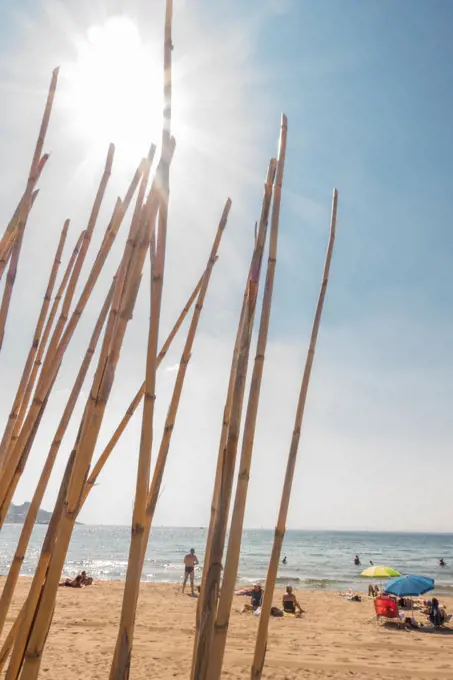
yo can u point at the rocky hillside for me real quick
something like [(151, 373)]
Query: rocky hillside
[(17, 513)]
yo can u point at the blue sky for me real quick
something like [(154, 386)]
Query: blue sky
[(366, 86)]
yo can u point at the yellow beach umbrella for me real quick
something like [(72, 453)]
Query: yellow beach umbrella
[(380, 572)]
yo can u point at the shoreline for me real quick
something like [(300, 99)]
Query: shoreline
[(334, 639), (445, 592)]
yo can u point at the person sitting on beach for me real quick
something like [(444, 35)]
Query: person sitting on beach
[(86, 580), (190, 562), (435, 615), (255, 600), (290, 603)]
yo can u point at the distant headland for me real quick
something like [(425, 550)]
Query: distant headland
[(17, 514)]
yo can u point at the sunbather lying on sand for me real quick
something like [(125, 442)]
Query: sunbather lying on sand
[(80, 581), (351, 596), (73, 583)]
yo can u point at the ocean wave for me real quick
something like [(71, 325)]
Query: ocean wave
[(320, 582)]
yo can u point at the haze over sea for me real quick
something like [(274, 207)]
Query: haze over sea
[(316, 559)]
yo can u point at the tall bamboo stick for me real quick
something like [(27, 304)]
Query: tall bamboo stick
[(97, 469), (34, 346), (10, 638), (237, 520), (48, 376), (261, 638), (222, 447), (213, 566), (28, 611), (74, 273), (39, 627), (16, 564), (121, 661), (182, 369), (25, 206), (154, 491), (11, 228), (43, 343), (84, 449), (227, 416), (11, 232)]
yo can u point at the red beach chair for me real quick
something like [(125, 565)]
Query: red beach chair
[(387, 608)]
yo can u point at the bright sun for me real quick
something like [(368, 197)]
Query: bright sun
[(116, 89)]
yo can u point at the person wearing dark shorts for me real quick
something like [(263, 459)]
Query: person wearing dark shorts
[(190, 562)]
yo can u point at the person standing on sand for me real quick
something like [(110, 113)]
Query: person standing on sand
[(190, 562)]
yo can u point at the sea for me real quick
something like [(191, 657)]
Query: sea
[(315, 559)]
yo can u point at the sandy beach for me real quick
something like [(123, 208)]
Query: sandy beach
[(334, 639)]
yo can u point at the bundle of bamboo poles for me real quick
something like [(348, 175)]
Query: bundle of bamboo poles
[(57, 321)]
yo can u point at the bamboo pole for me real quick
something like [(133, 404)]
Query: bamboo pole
[(121, 661), (84, 449), (34, 346), (16, 564), (43, 343), (155, 488), (226, 421), (75, 274), (28, 612), (47, 376), (154, 491), (91, 481), (223, 440), (26, 206), (118, 214), (38, 629), (10, 638), (13, 223), (10, 233), (12, 469), (237, 520), (261, 638), (223, 486)]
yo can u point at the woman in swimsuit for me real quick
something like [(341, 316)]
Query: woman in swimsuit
[(290, 603)]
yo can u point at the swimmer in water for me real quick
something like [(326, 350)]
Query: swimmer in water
[(442, 562), (357, 561), (284, 561)]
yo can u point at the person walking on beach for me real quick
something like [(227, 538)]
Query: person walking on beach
[(190, 562)]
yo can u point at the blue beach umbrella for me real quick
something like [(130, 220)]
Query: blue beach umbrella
[(406, 586)]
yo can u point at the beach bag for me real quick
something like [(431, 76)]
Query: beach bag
[(275, 611)]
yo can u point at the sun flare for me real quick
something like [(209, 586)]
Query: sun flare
[(116, 89)]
